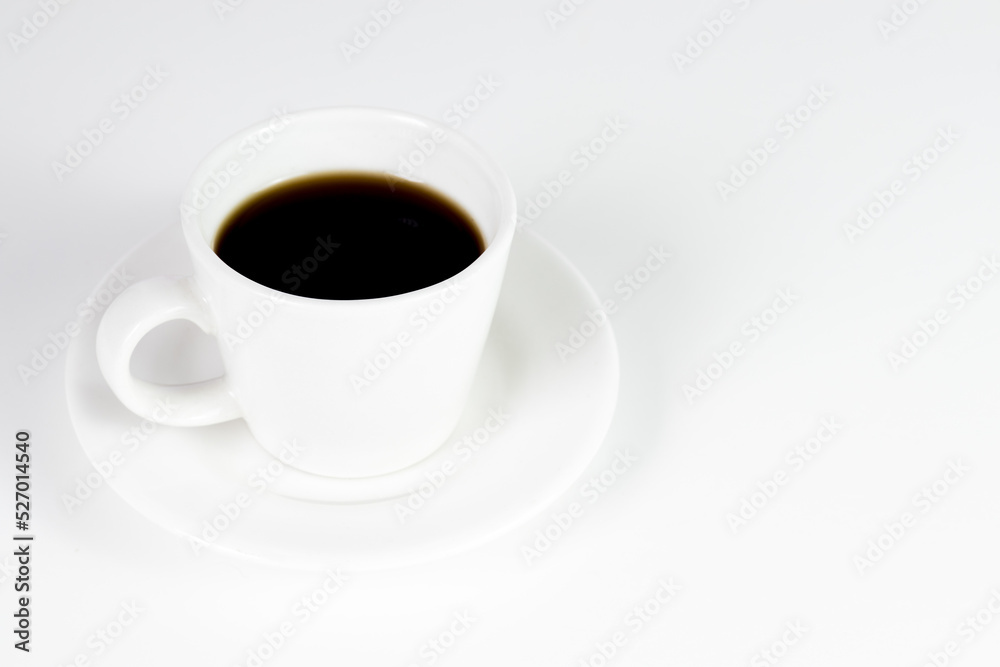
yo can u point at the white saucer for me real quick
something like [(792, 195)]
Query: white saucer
[(182, 477)]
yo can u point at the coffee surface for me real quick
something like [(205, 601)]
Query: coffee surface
[(348, 235)]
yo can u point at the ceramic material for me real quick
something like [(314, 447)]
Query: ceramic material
[(532, 425), (362, 387)]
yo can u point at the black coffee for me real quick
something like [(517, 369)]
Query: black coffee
[(348, 235)]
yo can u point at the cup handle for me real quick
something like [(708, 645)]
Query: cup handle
[(135, 312)]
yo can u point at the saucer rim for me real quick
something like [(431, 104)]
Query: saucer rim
[(415, 551)]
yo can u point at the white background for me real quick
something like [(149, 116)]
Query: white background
[(795, 560)]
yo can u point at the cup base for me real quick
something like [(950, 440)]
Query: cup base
[(533, 424)]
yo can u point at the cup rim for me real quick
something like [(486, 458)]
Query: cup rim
[(199, 246)]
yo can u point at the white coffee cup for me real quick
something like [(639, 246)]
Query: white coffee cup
[(363, 387)]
